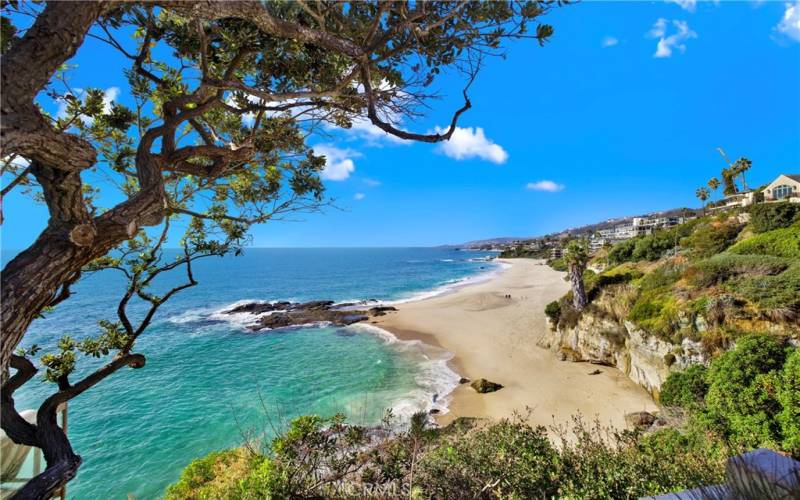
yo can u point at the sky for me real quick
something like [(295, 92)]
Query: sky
[(620, 113)]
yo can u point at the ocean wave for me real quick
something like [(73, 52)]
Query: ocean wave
[(435, 379), (217, 315), (451, 286)]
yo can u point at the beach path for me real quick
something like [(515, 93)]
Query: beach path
[(494, 337)]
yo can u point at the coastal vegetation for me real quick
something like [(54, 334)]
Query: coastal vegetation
[(720, 297), (713, 278), (226, 95), (748, 396), (319, 457)]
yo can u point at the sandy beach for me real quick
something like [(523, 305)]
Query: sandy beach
[(495, 337)]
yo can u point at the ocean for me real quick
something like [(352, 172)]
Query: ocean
[(209, 383)]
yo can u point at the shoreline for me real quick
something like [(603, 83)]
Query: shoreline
[(494, 337)]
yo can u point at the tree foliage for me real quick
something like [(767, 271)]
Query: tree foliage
[(223, 99)]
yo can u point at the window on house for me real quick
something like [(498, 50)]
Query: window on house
[(782, 191)]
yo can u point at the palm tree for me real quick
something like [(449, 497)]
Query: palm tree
[(713, 183), (741, 166), (576, 256), (729, 180), (703, 194)]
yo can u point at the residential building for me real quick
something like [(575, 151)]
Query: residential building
[(785, 188), (737, 200)]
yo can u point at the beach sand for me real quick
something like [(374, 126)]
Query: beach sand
[(494, 337)]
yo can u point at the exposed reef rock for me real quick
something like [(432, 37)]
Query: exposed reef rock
[(285, 314)]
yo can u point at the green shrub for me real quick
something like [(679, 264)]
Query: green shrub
[(504, 460), (213, 476), (621, 252), (656, 309), (789, 398), (741, 403), (686, 388), (710, 238), (661, 277), (769, 216), (723, 267), (553, 311), (557, 264), (778, 295), (654, 246), (629, 465), (657, 313), (778, 243)]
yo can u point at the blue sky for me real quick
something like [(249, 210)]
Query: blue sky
[(620, 113)]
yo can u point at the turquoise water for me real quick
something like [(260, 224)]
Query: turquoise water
[(210, 384)]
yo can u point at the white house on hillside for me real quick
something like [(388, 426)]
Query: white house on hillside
[(785, 188)]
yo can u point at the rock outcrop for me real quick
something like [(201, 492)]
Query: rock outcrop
[(273, 315), (640, 419), (644, 358), (483, 386)]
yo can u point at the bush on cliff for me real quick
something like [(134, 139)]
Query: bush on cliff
[(749, 396), (711, 238), (685, 389), (783, 242), (553, 311), (723, 267), (621, 252), (769, 216), (506, 459), (741, 402), (558, 264), (789, 398)]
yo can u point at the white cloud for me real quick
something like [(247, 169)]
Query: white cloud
[(472, 143), (790, 24), (687, 5), (338, 162), (109, 96), (544, 185), (371, 182), (658, 29), (359, 196), (609, 41), (668, 43)]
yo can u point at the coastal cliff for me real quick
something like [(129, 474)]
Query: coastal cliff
[(643, 357), (656, 308)]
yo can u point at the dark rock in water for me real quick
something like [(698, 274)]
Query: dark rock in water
[(434, 411), (259, 308), (595, 372), (640, 419), (286, 314), (483, 386), (463, 380), (316, 305)]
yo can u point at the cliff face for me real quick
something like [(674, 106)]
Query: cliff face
[(646, 359)]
